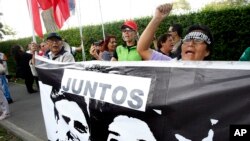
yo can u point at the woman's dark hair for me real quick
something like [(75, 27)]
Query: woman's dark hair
[(16, 51), (162, 39), (177, 28), (106, 42), (79, 100)]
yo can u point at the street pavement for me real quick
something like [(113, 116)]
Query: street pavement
[(26, 119)]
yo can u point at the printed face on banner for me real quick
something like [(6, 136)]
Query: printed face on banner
[(72, 124), (125, 128), (186, 104)]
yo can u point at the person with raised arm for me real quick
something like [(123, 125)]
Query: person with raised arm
[(197, 43)]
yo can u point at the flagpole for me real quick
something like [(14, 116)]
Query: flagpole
[(31, 19), (130, 9), (80, 28), (103, 31)]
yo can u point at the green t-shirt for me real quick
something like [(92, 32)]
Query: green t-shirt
[(127, 53)]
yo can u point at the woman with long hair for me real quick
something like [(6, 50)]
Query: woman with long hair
[(109, 48), (22, 66)]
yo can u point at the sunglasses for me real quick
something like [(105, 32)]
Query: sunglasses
[(127, 30), (196, 40)]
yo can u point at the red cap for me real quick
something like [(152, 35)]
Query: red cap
[(131, 24)]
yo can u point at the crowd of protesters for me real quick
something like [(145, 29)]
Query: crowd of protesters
[(196, 46)]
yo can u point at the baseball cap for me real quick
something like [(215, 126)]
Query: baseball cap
[(130, 24), (54, 35)]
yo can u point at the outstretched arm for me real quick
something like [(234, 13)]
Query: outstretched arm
[(143, 45)]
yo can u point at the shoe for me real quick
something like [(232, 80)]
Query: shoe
[(10, 101), (31, 92), (4, 116)]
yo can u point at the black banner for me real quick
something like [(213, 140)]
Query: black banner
[(184, 101)]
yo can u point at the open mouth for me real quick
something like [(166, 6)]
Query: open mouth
[(189, 52)]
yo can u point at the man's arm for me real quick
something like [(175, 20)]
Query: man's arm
[(33, 49), (143, 45)]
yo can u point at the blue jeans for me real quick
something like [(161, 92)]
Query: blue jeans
[(5, 87)]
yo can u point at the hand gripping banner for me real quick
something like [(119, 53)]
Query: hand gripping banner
[(149, 101)]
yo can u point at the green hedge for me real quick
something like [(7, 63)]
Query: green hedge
[(230, 27)]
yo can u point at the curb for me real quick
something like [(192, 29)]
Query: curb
[(19, 132)]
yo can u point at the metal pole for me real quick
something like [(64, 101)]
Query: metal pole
[(31, 19), (103, 31), (80, 28)]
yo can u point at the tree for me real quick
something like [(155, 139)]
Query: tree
[(222, 4), (237, 2), (5, 30), (2, 32), (181, 6)]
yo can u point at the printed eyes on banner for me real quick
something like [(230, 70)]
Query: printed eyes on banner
[(80, 127), (66, 119), (77, 125)]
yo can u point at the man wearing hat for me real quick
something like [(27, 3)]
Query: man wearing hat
[(56, 49), (127, 51)]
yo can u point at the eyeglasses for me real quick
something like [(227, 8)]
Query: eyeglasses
[(196, 41), (127, 30), (198, 38)]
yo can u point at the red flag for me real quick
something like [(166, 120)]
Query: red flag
[(45, 4), (36, 18), (61, 11)]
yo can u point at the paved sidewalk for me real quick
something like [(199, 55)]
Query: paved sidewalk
[(26, 120)]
